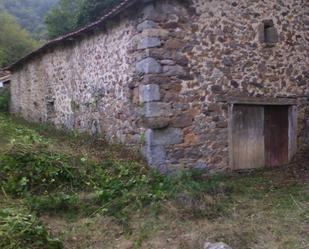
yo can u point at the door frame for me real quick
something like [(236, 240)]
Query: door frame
[(292, 119)]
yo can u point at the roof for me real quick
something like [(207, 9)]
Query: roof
[(5, 76), (123, 5)]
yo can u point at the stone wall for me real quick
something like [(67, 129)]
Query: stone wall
[(203, 51), (85, 85), (159, 76)]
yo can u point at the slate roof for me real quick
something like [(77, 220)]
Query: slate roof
[(123, 5)]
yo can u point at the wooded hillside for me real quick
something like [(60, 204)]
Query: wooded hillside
[(15, 42), (29, 14), (25, 22)]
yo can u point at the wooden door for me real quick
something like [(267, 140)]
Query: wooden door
[(247, 137), (276, 135)]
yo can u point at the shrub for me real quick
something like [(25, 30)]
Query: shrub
[(4, 100), (54, 202), (36, 169), (21, 230), (50, 180)]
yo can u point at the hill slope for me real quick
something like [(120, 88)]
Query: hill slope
[(95, 195)]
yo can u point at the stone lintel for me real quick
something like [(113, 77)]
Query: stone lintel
[(257, 100), (148, 93)]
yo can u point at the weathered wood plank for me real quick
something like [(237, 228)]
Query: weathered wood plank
[(247, 137), (276, 135), (292, 131)]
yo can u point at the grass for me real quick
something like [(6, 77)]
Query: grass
[(20, 229), (86, 193)]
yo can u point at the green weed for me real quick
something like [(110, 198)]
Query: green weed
[(21, 230)]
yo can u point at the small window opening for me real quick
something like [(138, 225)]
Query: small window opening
[(50, 109), (268, 33), (36, 104)]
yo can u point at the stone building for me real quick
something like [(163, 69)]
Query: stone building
[(215, 85)]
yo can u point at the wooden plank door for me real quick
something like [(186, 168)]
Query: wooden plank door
[(247, 137), (276, 135)]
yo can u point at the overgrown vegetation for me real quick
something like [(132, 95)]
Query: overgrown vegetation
[(4, 100), (89, 192), (31, 167), (19, 229)]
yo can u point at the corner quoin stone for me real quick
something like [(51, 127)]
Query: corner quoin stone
[(149, 42), (148, 93), (148, 24), (148, 66), (156, 155), (168, 136), (157, 109)]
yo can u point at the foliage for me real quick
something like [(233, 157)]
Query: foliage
[(55, 175), (30, 166), (34, 169), (4, 100), (94, 9), (50, 179), (21, 230), (29, 14), (63, 17), (69, 15), (14, 41)]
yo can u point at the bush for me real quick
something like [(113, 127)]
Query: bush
[(36, 169), (4, 100), (21, 230), (50, 180)]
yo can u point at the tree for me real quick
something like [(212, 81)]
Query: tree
[(93, 9), (29, 14), (70, 15), (15, 42), (63, 18)]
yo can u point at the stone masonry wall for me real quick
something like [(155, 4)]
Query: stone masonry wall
[(84, 86), (158, 75), (200, 51)]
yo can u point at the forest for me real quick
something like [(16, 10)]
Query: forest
[(30, 14), (27, 24)]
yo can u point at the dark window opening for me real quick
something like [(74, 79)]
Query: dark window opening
[(50, 109), (36, 104), (268, 33)]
